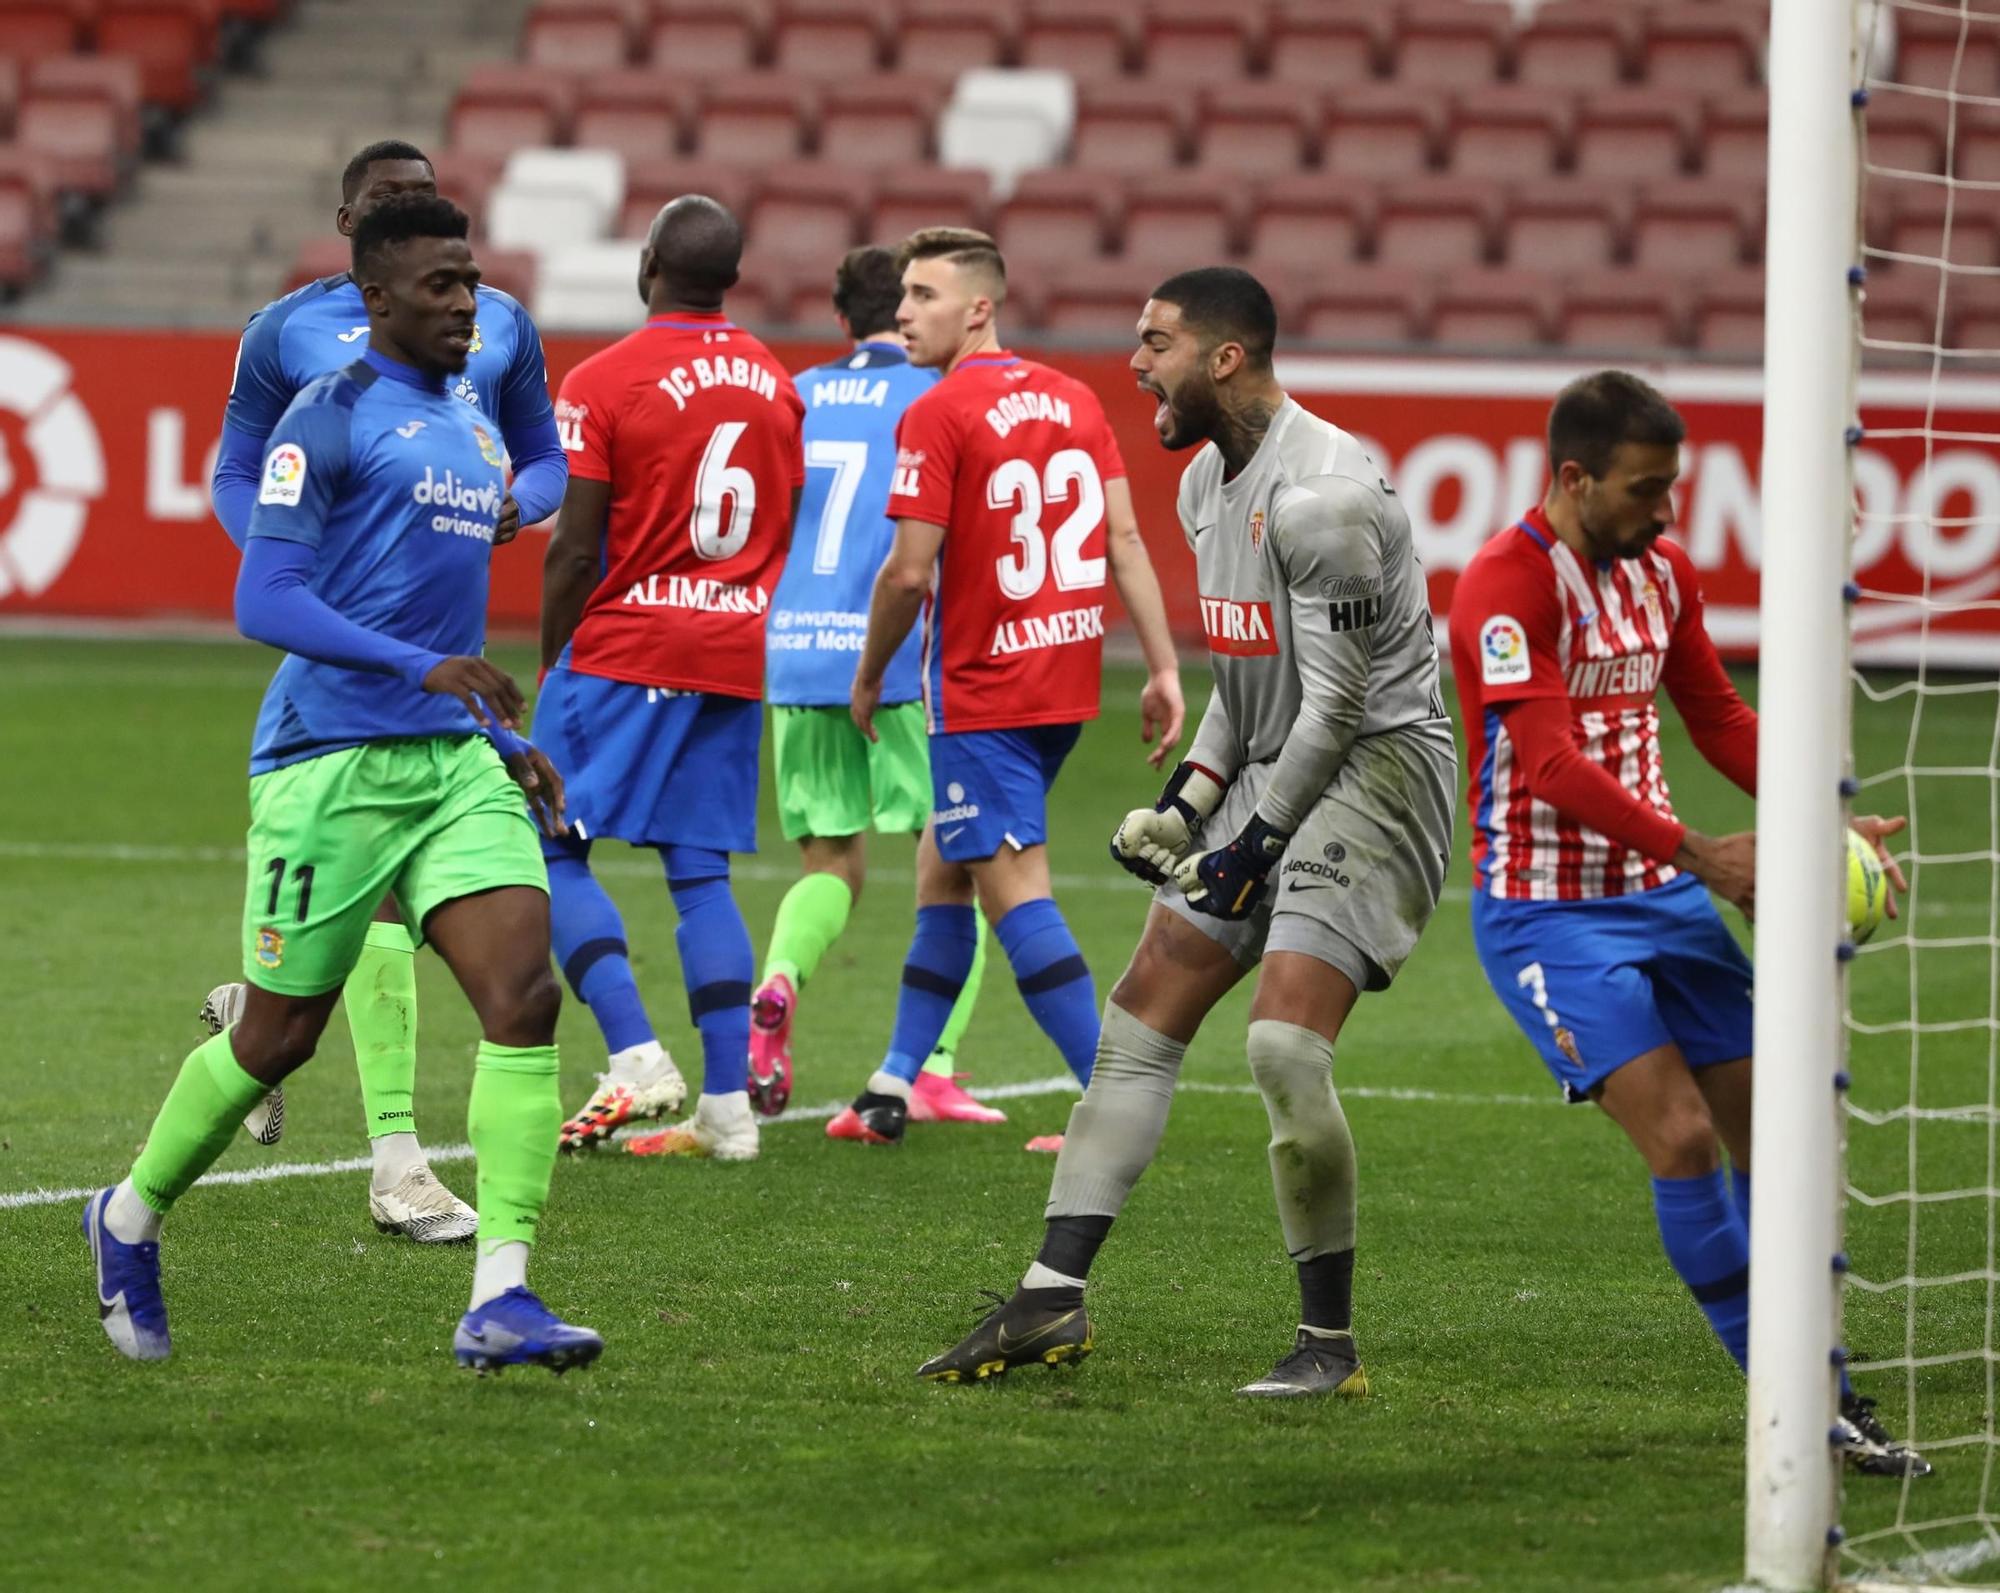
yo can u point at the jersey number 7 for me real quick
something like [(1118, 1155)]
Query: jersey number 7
[(1015, 485)]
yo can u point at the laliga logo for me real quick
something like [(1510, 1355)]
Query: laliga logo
[(67, 467)]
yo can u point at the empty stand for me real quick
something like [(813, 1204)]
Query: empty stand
[(1933, 222), (1129, 127), (1616, 311), (756, 116), (1692, 225), (32, 29), (1567, 44), (1640, 134), (1182, 219), (1701, 47), (581, 35), (1436, 225), (1098, 298), (1085, 38), (1058, 217), (879, 119), (1376, 131), (1264, 134), (1733, 145), (1931, 54), (1007, 122), (701, 37), (1364, 306), (500, 109), (641, 114), (654, 183), (1200, 42), (588, 287), (1493, 309), (1447, 43), (907, 198), (832, 38), (1517, 134), (1559, 228), (1308, 223), (550, 198), (816, 208), (1325, 46), (1728, 313), (947, 37), (172, 40)]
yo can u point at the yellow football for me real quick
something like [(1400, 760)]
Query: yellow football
[(1867, 888)]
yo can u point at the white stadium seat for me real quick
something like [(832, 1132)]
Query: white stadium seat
[(589, 287), (1006, 122), (549, 198)]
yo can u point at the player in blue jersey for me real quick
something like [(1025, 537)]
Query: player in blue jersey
[(366, 562), (833, 783), (320, 328)]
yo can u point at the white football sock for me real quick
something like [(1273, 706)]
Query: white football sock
[(636, 1064), (883, 1082), (502, 1265), (396, 1155), (1041, 1277), (1325, 1333), (129, 1219)]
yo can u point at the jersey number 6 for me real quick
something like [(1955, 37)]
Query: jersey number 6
[(725, 496), (1015, 485)]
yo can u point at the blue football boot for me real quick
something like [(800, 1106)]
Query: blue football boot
[(516, 1329), (128, 1287)]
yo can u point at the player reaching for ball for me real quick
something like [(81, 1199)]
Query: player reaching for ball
[(1588, 910)]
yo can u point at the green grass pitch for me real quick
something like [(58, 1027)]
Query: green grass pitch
[(1550, 1409)]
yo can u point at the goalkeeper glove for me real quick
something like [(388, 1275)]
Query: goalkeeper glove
[(1230, 881), (1149, 841)]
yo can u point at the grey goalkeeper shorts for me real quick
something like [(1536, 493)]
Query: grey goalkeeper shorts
[(1364, 872)]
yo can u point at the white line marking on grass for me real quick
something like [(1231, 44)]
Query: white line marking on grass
[(1059, 1084), (1916, 1571)]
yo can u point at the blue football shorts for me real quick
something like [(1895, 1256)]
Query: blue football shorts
[(650, 766), (990, 788), (1594, 984)]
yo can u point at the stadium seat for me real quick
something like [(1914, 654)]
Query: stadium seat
[(947, 37), (79, 132), (550, 198), (1905, 133), (580, 35), (881, 119), (172, 40), (1976, 146), (1324, 46), (1267, 133), (1198, 41), (1508, 133), (649, 184), (500, 109), (763, 293), (1728, 313), (640, 113), (1101, 298), (1930, 54), (1449, 44), (1576, 44), (1436, 224), (753, 117), (27, 216), (1089, 39), (910, 197), (588, 287), (805, 299), (1128, 127), (1688, 226), (1482, 309), (1617, 313), (699, 38), (1917, 225), (1178, 220), (1905, 308), (1055, 217), (1377, 131), (1636, 134), (113, 78), (1566, 226), (815, 208), (1306, 223), (1370, 308), (11, 73), (1974, 328), (1735, 145), (31, 29), (467, 181), (1701, 47), (1007, 122), (831, 38)]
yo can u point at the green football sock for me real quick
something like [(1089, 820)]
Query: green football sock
[(810, 920), (515, 1116), (945, 1056), (195, 1124), (381, 1000)]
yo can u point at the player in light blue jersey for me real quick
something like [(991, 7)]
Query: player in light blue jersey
[(366, 562), (833, 783), (319, 328)]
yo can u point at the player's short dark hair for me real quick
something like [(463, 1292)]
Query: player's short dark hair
[(698, 243), (355, 173), (1596, 413), (963, 247), (1225, 305), (867, 287), (397, 221)]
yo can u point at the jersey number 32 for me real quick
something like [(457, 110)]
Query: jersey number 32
[(1017, 486)]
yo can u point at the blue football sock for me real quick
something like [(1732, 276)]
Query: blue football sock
[(1739, 1187), (716, 963), (1054, 980), (589, 940), (936, 969), (1706, 1242)]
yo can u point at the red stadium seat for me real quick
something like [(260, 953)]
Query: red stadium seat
[(1735, 144), (1449, 43), (1267, 133), (79, 133), (910, 197), (1960, 226), (113, 78), (511, 271), (1198, 41), (1128, 127), (763, 292), (1728, 314), (10, 90), (466, 180), (31, 29), (1089, 39), (500, 109), (1101, 298), (1637, 134), (1621, 312), (946, 37), (1976, 146), (171, 40), (755, 117), (1366, 307), (317, 258), (1493, 310), (1975, 320), (650, 184), (1056, 216), (1576, 44), (814, 209), (831, 38), (1307, 223), (1930, 53), (701, 37), (1905, 133), (1509, 133), (27, 216), (1380, 130), (1179, 220), (1690, 226), (1325, 46), (879, 119), (1566, 226), (1905, 308), (1435, 225), (580, 35), (1700, 46), (642, 114)]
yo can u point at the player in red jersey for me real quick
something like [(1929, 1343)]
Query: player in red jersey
[(1009, 485), (685, 468), (1588, 909)]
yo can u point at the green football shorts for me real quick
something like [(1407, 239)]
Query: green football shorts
[(832, 780), (431, 818)]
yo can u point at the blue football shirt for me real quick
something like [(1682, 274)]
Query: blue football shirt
[(819, 613), (396, 483)]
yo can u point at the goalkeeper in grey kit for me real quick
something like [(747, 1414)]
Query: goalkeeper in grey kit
[(1308, 831)]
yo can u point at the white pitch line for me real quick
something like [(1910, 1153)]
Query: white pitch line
[(1060, 1084)]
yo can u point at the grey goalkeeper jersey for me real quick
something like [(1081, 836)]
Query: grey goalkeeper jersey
[(1318, 622)]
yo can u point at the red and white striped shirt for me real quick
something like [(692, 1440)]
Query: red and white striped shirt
[(1533, 624)]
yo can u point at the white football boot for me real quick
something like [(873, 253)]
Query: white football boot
[(640, 1083), (265, 1122), (720, 1128), (419, 1207)]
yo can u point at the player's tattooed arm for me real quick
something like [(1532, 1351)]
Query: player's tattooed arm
[(570, 571), (1161, 706), (900, 586)]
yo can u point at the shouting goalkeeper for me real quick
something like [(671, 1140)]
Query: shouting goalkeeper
[(1309, 830)]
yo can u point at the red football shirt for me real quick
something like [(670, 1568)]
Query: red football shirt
[(696, 428), (1010, 457)]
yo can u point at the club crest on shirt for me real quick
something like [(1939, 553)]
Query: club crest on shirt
[(1256, 529), (270, 948), (1503, 651), (489, 450), (478, 342), (284, 476)]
